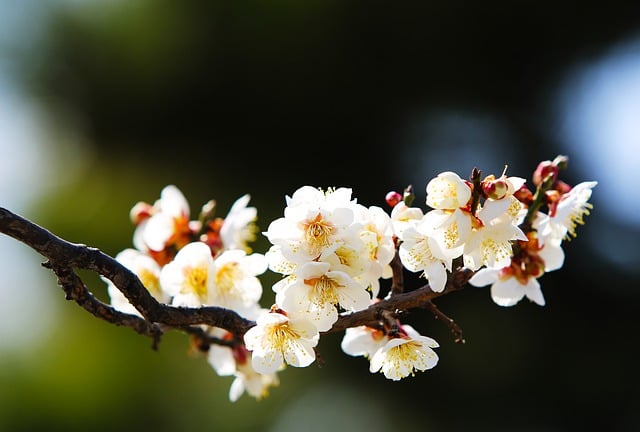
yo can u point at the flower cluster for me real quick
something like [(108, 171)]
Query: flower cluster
[(203, 262), (333, 254)]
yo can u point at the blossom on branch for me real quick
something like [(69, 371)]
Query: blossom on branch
[(331, 254), (401, 356), (277, 340)]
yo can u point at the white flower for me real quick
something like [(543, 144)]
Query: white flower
[(507, 290), (569, 213), (403, 216), (379, 244), (449, 229), (314, 223), (402, 356), (278, 263), (254, 383), (238, 228), (169, 218), (235, 285), (419, 252), (362, 341), (146, 269), (189, 277), (236, 360), (447, 191), (317, 291), (490, 245), (276, 340)]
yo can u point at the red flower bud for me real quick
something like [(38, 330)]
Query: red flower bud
[(392, 198), (543, 171)]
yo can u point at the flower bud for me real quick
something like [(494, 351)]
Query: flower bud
[(524, 195), (494, 188), (140, 211), (543, 171), (392, 198)]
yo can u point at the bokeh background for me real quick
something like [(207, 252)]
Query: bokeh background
[(102, 103)]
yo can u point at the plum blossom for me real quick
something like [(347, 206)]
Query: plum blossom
[(402, 356), (276, 340), (506, 289), (235, 284), (189, 278), (238, 228), (167, 222), (146, 269), (316, 292)]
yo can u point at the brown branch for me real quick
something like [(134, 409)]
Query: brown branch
[(397, 279), (76, 290), (455, 328), (373, 315), (63, 257)]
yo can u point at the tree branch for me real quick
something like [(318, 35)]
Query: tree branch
[(418, 298), (63, 257)]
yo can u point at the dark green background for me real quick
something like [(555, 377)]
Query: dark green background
[(224, 98)]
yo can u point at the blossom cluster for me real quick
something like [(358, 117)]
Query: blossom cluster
[(333, 254)]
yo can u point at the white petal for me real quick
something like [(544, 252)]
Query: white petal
[(437, 276), (237, 389), (299, 354), (507, 292), (552, 255), (221, 360), (266, 362), (533, 292), (484, 277)]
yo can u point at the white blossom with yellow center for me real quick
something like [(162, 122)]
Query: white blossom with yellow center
[(570, 213), (189, 278), (508, 290), (490, 244), (362, 341), (239, 228), (146, 269), (450, 229), (235, 283), (169, 212), (276, 340), (254, 383), (402, 356), (223, 360), (315, 223), (379, 246), (420, 252), (403, 216), (316, 293), (447, 191)]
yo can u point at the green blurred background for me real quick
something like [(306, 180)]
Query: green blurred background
[(102, 103)]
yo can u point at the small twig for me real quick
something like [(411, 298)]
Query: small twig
[(455, 328), (400, 302), (397, 280)]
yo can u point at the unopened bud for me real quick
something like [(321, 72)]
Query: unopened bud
[(543, 171), (392, 198), (494, 188), (524, 195), (140, 211)]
